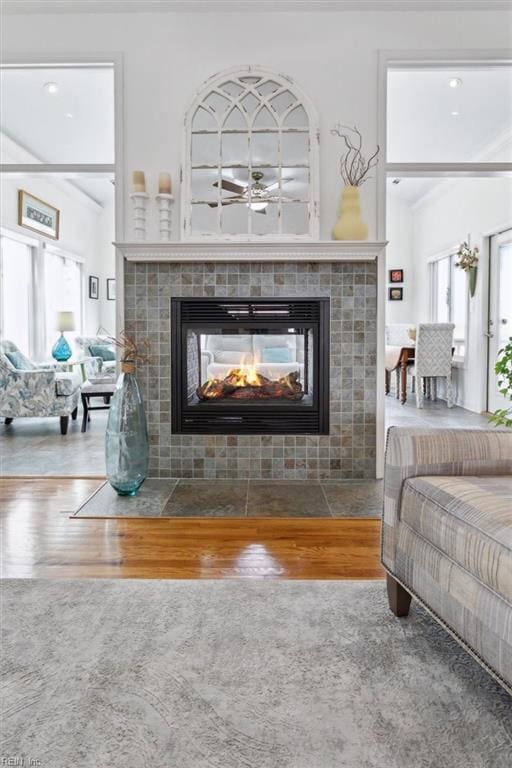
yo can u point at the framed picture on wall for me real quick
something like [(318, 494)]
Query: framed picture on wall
[(37, 215), (94, 287), (111, 289), (396, 275), (396, 294)]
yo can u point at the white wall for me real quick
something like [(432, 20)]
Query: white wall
[(399, 255), (106, 268), (333, 56)]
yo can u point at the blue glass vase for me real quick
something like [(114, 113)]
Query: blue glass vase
[(127, 445), (61, 350)]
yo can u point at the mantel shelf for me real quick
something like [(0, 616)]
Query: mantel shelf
[(230, 251)]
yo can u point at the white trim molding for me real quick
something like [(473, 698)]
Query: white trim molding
[(329, 250)]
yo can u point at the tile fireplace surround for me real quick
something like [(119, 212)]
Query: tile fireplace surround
[(348, 276)]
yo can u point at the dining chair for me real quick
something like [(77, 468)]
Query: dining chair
[(433, 360)]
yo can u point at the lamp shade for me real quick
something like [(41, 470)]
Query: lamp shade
[(65, 321)]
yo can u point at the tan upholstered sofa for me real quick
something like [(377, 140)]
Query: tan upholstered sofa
[(447, 535)]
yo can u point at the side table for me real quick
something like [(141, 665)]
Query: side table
[(88, 391)]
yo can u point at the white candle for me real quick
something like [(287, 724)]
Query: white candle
[(164, 183), (139, 181)]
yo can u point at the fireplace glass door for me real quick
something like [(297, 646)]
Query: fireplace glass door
[(242, 366)]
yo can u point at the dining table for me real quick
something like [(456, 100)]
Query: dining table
[(398, 359)]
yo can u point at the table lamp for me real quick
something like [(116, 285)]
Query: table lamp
[(65, 322)]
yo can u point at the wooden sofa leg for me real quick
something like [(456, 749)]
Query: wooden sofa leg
[(9, 420), (64, 421), (74, 413), (399, 598)]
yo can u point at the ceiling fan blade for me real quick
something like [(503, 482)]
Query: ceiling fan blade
[(230, 186), (276, 184), (227, 201)]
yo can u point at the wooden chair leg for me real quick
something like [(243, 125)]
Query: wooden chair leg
[(399, 598), (74, 413), (8, 420), (64, 421)]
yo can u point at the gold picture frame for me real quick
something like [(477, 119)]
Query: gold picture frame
[(38, 215)]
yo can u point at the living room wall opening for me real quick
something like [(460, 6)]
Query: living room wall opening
[(447, 181), (58, 190)]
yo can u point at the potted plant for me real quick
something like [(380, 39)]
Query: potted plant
[(503, 368), (468, 260), (354, 169)]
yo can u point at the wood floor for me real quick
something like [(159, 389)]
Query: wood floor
[(40, 540)]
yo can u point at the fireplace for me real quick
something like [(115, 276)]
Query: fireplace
[(250, 366)]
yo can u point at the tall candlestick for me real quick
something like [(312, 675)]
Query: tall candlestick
[(165, 201), (164, 183), (140, 202), (138, 181)]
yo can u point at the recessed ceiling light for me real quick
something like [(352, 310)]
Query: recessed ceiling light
[(455, 113), (455, 82), (69, 115), (51, 87)]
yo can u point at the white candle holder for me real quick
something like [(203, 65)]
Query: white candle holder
[(165, 201), (140, 204)]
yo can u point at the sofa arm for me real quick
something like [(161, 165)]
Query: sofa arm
[(415, 452)]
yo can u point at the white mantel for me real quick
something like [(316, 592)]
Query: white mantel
[(309, 251)]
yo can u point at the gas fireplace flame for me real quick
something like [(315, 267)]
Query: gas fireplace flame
[(246, 383), (245, 376)]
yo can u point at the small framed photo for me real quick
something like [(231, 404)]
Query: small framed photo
[(94, 287), (111, 289), (37, 215), (396, 275), (396, 294)]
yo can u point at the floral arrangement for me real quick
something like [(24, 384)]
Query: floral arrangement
[(468, 257), (354, 167), (131, 349)]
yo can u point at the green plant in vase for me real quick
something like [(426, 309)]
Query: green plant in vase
[(468, 260), (127, 444), (503, 368)]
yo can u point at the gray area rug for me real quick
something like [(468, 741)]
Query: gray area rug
[(217, 674)]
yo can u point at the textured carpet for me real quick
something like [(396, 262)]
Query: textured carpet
[(205, 674)]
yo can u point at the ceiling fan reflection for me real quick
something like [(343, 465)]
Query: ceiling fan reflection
[(255, 195)]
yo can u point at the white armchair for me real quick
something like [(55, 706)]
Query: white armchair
[(31, 390), (94, 363)]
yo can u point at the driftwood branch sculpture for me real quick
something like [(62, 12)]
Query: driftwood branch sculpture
[(354, 167)]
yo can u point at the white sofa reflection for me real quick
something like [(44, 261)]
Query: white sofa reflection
[(272, 356)]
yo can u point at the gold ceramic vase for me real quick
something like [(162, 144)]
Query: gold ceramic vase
[(350, 226)]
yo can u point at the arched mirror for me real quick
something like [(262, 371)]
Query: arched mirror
[(251, 164)]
